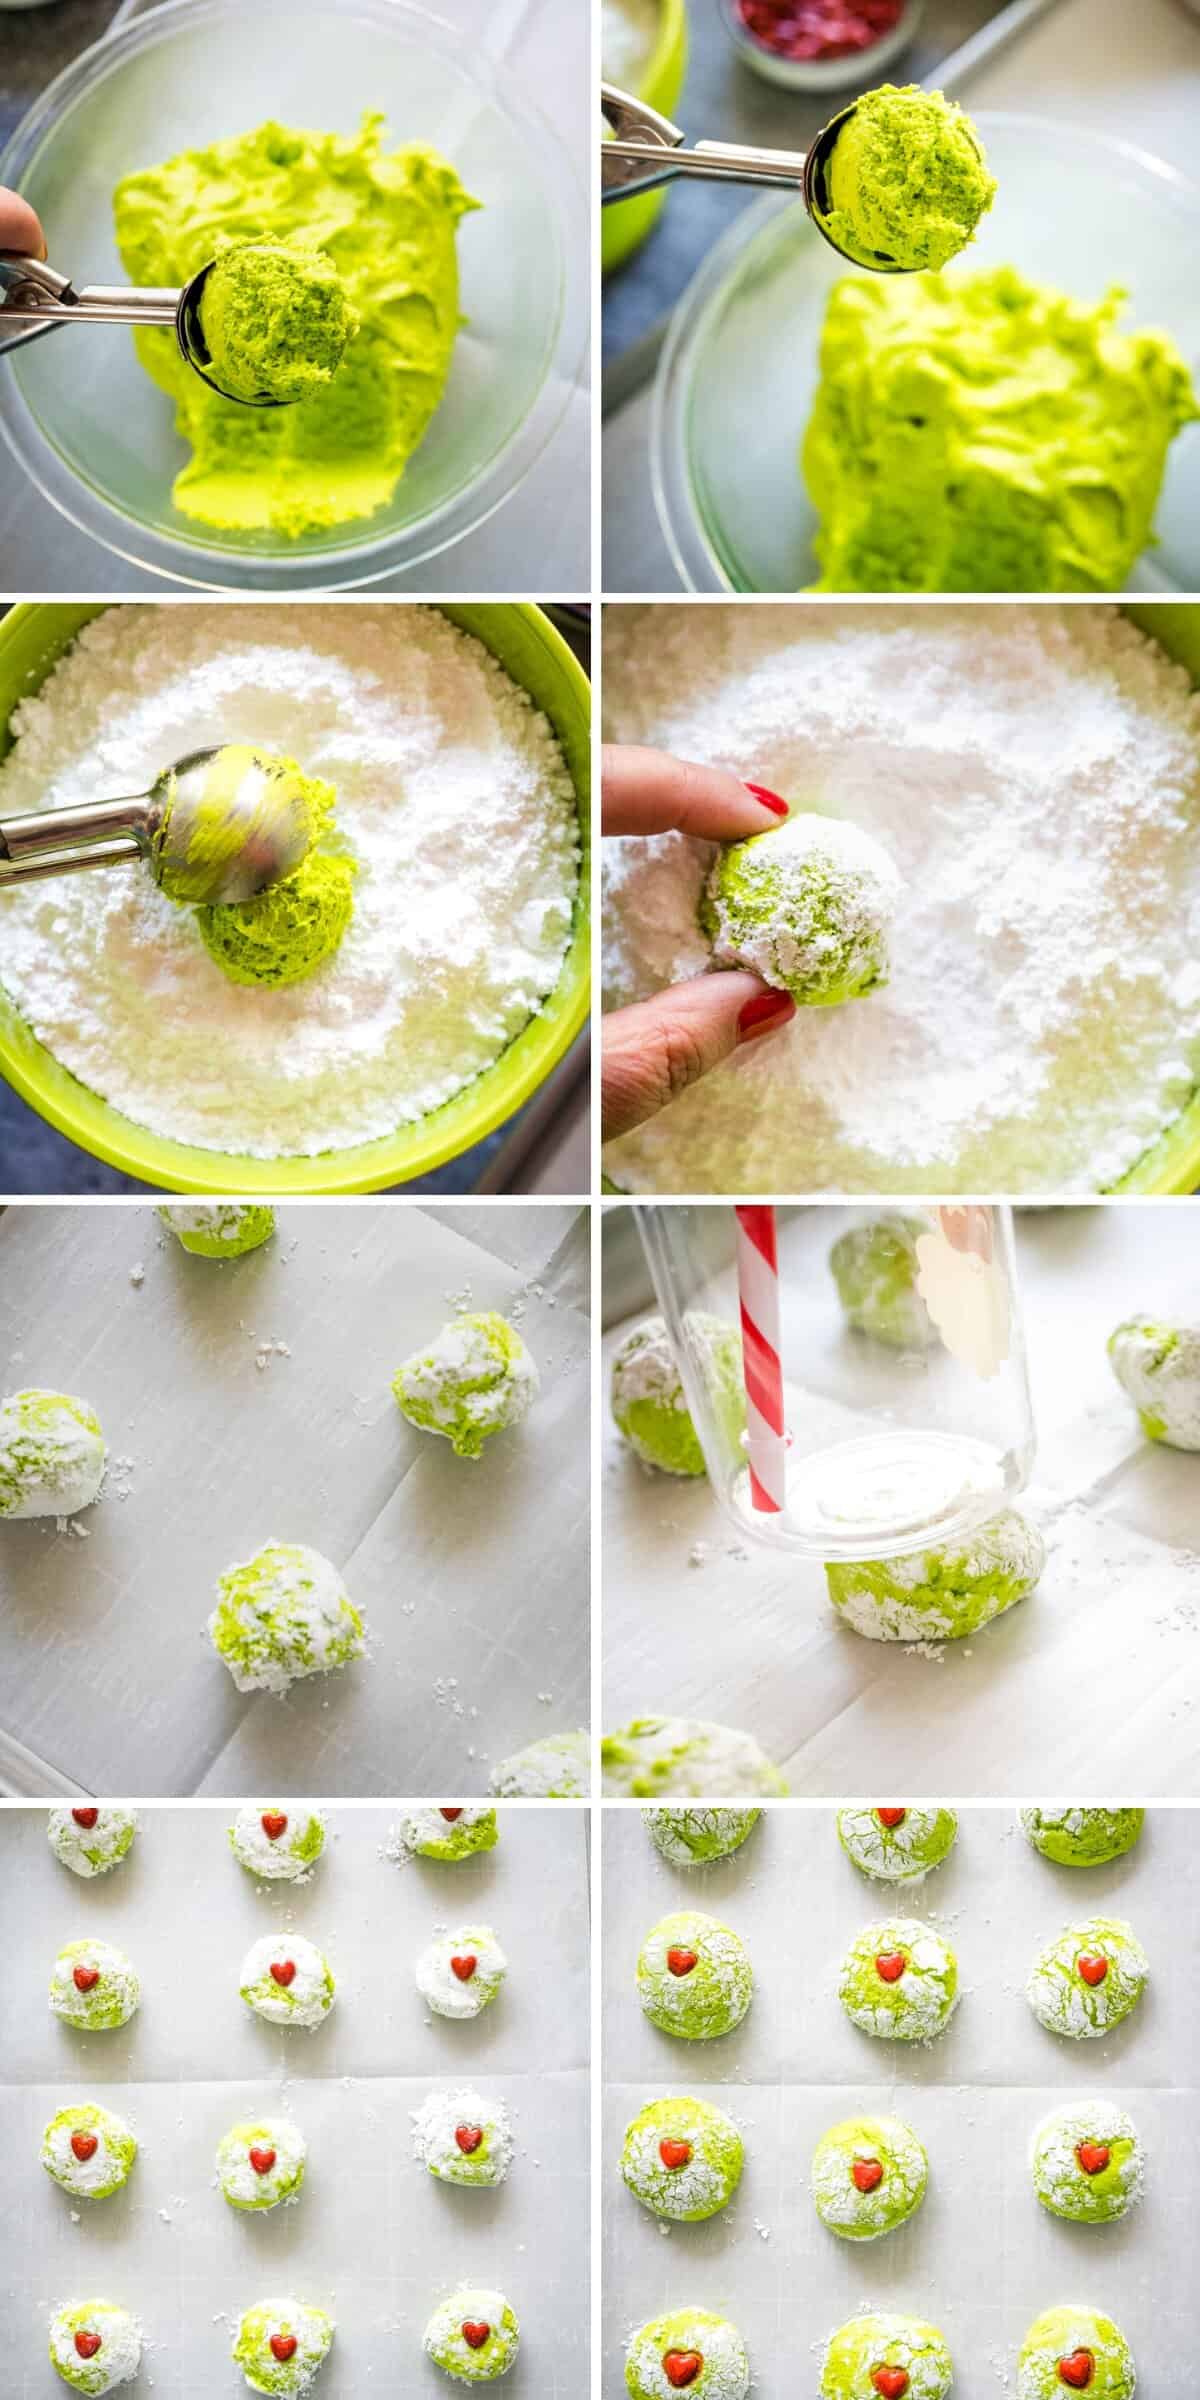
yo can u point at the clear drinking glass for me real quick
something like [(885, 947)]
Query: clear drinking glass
[(904, 1393)]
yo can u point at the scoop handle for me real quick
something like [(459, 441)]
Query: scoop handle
[(45, 832), (37, 870)]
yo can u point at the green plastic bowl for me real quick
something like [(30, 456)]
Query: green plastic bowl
[(524, 641), (627, 222)]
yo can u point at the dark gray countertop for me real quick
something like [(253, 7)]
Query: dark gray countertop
[(38, 43)]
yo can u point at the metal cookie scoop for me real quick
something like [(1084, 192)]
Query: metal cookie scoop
[(255, 804), (34, 299)]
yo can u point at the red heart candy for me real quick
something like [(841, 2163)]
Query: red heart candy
[(284, 1972), (890, 1966), (1077, 2370), (85, 2146), (261, 2160), (274, 1823), (891, 1817), (451, 1815), (867, 2172), (475, 2332), (674, 2154), (1092, 1967), (468, 2138), (84, 1977), (283, 2347), (681, 2367), (892, 2382), (465, 1966), (87, 2343), (1093, 2157), (681, 1962), (85, 1817)]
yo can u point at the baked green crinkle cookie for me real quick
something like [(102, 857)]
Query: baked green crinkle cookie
[(449, 1833), (1158, 1366), (475, 1380), (88, 2150), (285, 1979), (280, 2345), (95, 2345), (1072, 2349), (647, 1396), (473, 2335), (868, 2176), (459, 1974), (281, 1615), (281, 1845), (93, 1986), (1082, 1837), (52, 1454), (91, 1841), (874, 1267), (691, 1837), (689, 2350), (558, 1767), (218, 1228), (899, 1981), (687, 1757), (1089, 1979), (940, 1595), (463, 2138), (682, 2158), (694, 1976), (886, 2358), (260, 2164), (897, 1845), (1088, 2163)]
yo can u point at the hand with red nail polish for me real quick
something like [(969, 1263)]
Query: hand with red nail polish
[(19, 227), (654, 1050)]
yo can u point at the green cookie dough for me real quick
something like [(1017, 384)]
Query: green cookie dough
[(690, 1837), (448, 1833), (463, 2138), (940, 1595), (219, 1228), (93, 1986), (88, 2150), (1089, 1979), (284, 935), (683, 2336), (899, 1981), (807, 907), (976, 433), (387, 222), (558, 1767), (1094, 2350), (52, 1454), (259, 2165), (897, 1845), (647, 1395), (1159, 1367), (694, 1976), (276, 319), (281, 2323), (1082, 1837), (682, 2159), (476, 1379), (875, 1269), (278, 1845), (462, 1972), (907, 182), (868, 2175), (1087, 2163), (687, 1757), (281, 1615), (285, 1979), (95, 2345), (473, 2335), (91, 1841), (860, 2349)]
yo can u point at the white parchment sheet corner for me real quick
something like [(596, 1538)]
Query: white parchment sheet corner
[(472, 1574), (981, 2258), (373, 2238)]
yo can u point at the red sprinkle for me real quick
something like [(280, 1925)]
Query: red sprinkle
[(806, 30), (87, 2343), (283, 2347), (451, 1815), (85, 1817)]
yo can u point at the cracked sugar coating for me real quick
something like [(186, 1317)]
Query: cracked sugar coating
[(558, 1767), (897, 1845), (465, 1989), (52, 1454), (868, 2175), (907, 180), (1159, 1367), (463, 2138), (1082, 1837), (93, 1986), (495, 2335), (285, 2322), (647, 1396), (682, 2158), (281, 1615), (301, 1992), (690, 1837), (91, 1841), (940, 1595), (88, 2150), (1087, 2163), (219, 1228), (694, 1976), (807, 907), (724, 2369), (261, 2163), (1089, 1979), (858, 2350), (279, 1844), (449, 1834), (899, 1981), (1105, 2370), (474, 1380), (688, 1757), (875, 1269), (95, 2345)]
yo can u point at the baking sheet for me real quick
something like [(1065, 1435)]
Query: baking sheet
[(472, 1575), (699, 1618), (981, 2258), (373, 2237)]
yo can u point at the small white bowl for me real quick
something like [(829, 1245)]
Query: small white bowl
[(862, 68)]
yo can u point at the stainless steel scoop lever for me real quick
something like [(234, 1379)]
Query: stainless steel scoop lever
[(35, 298)]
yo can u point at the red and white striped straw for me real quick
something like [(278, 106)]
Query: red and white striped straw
[(762, 1364)]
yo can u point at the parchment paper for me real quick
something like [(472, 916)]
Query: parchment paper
[(981, 2258), (472, 1574), (373, 2237), (703, 1620)]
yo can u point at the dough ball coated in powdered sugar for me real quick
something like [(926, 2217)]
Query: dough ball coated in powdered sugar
[(88, 2150), (218, 1228), (281, 2344), (94, 1986), (476, 1379), (281, 1845), (875, 1268), (260, 2163), (940, 1595), (95, 2345), (1158, 1365), (281, 1615), (647, 1396), (52, 1454), (449, 1834), (461, 1973), (808, 908), (473, 2335), (285, 1979), (463, 2138), (558, 1767), (91, 1840), (688, 1758)]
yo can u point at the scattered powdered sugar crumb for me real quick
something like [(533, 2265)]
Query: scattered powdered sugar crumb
[(137, 1276)]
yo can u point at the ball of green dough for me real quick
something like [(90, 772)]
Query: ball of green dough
[(694, 1976), (558, 1767), (899, 1981), (91, 1841), (901, 2358), (448, 1833), (868, 2175), (218, 1228), (807, 907), (897, 1845), (261, 2164), (1093, 2351), (287, 1980), (690, 2350), (1159, 1367), (463, 2138), (88, 2150), (875, 1269), (940, 1595), (1089, 1979), (286, 933), (93, 1986), (687, 1757), (462, 1972), (277, 1844), (476, 1379), (473, 2335), (682, 2159), (276, 318), (1087, 2163), (647, 1396), (52, 1454), (1082, 1837), (906, 180), (280, 2345), (95, 2345), (691, 1837), (281, 1615)]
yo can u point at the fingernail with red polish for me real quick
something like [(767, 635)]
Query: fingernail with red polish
[(769, 800), (767, 1009)]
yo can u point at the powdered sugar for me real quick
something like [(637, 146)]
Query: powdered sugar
[(628, 33)]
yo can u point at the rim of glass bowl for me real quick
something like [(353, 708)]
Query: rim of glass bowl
[(340, 566)]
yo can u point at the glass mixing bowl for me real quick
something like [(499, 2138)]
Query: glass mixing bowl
[(739, 370), (97, 437)]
